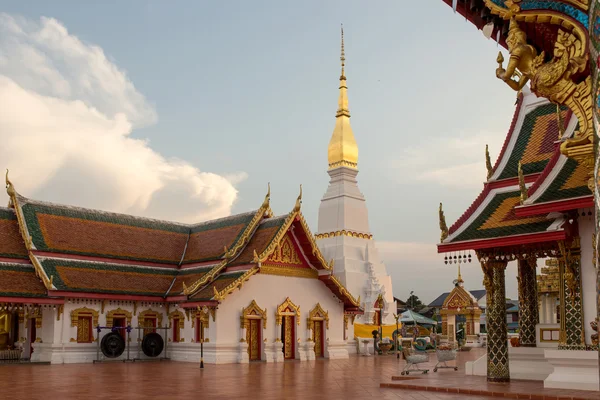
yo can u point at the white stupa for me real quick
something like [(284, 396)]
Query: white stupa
[(343, 229)]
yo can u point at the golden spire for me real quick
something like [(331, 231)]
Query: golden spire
[(488, 162), (522, 186), (460, 279), (267, 196), (343, 150)]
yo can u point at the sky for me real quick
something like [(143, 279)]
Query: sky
[(186, 110)]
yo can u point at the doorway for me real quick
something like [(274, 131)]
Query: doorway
[(253, 337), (318, 339), (288, 333)]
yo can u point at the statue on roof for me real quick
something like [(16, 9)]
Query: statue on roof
[(553, 79), (443, 226)]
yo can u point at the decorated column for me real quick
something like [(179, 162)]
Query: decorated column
[(572, 334), (497, 343), (528, 302)]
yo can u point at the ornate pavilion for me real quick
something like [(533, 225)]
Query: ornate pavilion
[(65, 270), (538, 199)]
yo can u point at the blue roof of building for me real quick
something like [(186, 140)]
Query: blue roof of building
[(478, 294)]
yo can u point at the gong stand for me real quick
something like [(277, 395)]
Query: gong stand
[(140, 336), (112, 329)]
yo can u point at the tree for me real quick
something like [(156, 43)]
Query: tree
[(413, 302)]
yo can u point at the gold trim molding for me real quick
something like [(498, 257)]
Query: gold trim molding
[(253, 311), (84, 312), (118, 312), (296, 272), (344, 233), (177, 314), (280, 312), (318, 314)]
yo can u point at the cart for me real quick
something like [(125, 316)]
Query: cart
[(443, 356), (413, 359)]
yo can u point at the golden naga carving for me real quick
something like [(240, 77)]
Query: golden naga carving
[(488, 162), (554, 81), (443, 226), (522, 187)]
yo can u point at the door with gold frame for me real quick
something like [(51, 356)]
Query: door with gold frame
[(288, 333), (317, 332), (253, 338)]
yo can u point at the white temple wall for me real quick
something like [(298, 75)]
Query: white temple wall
[(588, 274), (351, 267), (303, 292)]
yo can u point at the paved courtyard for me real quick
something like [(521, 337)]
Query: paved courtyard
[(356, 378)]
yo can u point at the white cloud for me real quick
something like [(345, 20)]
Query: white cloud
[(66, 115), (450, 161)]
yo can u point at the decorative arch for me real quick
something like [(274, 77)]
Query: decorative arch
[(287, 308), (150, 314), (318, 314), (253, 311), (177, 314), (83, 312), (118, 312)]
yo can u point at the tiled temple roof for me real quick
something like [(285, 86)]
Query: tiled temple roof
[(103, 277), (11, 241), (207, 240), (566, 180), (534, 145), (81, 250), (533, 140), (72, 230), (20, 280), (222, 281), (262, 238)]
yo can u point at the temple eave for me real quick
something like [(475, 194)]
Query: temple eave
[(507, 241), (555, 206)]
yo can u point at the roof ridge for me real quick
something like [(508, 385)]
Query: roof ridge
[(25, 200), (511, 129)]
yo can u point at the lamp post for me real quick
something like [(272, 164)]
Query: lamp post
[(396, 344), (204, 311)]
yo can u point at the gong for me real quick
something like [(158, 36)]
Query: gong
[(112, 345), (153, 344)]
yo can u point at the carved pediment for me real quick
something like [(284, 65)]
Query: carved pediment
[(286, 253)]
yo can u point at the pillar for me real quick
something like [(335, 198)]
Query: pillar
[(497, 343), (528, 302), (572, 333)]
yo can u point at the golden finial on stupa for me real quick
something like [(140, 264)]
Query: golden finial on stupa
[(522, 186), (343, 56), (460, 279), (488, 162), (443, 226), (342, 150)]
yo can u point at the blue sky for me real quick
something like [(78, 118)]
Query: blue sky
[(247, 91)]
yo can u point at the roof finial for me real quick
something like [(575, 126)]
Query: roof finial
[(460, 279), (298, 201), (267, 196), (488, 162), (443, 226), (343, 57), (9, 186), (522, 186)]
